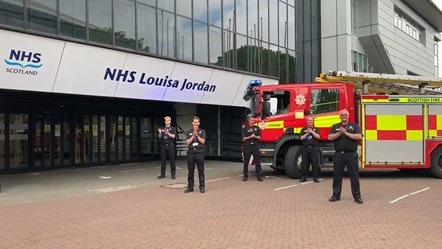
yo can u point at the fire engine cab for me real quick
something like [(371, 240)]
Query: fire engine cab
[(401, 128)]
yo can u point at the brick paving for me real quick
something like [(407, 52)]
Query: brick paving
[(231, 214)]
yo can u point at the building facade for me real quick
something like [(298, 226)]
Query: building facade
[(381, 36), (87, 82)]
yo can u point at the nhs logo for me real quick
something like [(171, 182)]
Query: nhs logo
[(23, 62)]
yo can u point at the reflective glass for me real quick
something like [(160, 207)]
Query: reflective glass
[(291, 27), (125, 24), (264, 19), (166, 32), (242, 53), (184, 7), (253, 19), (264, 54), (100, 21), (200, 41), (147, 36), (73, 18), (2, 141), (147, 2), (228, 12), (274, 60), (18, 140), (42, 15), (273, 7), (12, 13), (184, 41), (241, 18), (292, 66), (200, 10), (215, 46), (228, 48), (283, 29), (253, 56), (167, 5), (215, 12)]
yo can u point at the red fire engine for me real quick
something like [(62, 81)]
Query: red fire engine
[(400, 129)]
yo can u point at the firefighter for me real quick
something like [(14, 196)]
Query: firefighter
[(195, 139), (310, 153), (345, 136), (250, 136), (167, 134)]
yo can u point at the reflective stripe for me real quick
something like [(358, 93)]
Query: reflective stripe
[(415, 135), (274, 125), (391, 122), (371, 135), (327, 121)]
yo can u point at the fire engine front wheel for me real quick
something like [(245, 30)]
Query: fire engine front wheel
[(436, 163), (293, 161)]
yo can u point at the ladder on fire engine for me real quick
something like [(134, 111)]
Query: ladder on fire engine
[(385, 83)]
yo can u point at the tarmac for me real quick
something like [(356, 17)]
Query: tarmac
[(125, 206)]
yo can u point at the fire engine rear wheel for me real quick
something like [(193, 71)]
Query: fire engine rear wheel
[(293, 161), (436, 163)]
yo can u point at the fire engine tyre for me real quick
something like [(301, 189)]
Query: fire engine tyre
[(293, 161), (436, 163)]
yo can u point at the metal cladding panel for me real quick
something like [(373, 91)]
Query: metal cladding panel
[(394, 152), (393, 109)]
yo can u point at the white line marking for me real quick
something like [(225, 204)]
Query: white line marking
[(276, 189), (306, 182), (410, 194), (132, 170), (422, 190), (105, 177), (398, 199), (276, 177), (219, 179)]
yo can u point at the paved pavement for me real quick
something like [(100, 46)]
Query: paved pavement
[(125, 206)]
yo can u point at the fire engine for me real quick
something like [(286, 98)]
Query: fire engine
[(401, 123)]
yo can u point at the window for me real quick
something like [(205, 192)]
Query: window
[(436, 55), (279, 103), (11, 13), (324, 100), (407, 25), (354, 16), (73, 18), (360, 63)]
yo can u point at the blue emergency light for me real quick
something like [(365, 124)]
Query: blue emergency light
[(254, 83)]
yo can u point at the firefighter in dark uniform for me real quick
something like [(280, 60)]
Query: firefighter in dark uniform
[(310, 153), (250, 136), (345, 136), (167, 135), (195, 139)]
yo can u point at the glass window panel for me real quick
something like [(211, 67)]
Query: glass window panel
[(228, 48), (215, 12), (264, 20), (2, 141), (273, 6), (215, 46), (147, 41), (184, 41), (149, 2), (184, 7), (166, 32), (125, 24), (200, 10), (200, 33), (274, 60), (228, 9), (264, 58), (42, 15), (243, 54), (18, 140), (253, 19), (241, 18), (283, 32), (292, 66), (291, 28), (167, 5), (12, 13), (100, 21), (73, 18), (324, 100)]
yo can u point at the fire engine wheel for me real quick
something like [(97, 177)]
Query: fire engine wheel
[(293, 162), (436, 163)]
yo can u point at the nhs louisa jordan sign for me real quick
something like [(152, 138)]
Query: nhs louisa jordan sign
[(33, 63), (126, 76)]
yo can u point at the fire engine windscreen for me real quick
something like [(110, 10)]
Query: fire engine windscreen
[(277, 103)]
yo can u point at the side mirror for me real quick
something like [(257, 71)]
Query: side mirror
[(265, 109)]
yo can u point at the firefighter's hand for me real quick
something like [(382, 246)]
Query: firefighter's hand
[(309, 130), (342, 130), (159, 130)]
